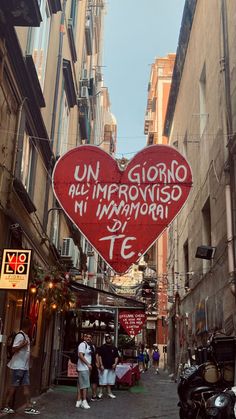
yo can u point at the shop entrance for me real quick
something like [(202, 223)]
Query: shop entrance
[(97, 314)]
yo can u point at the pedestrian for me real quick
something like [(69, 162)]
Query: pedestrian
[(108, 360), (155, 358), (84, 366), (150, 352), (19, 367), (94, 377), (140, 358), (146, 358)]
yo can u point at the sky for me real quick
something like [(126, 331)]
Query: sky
[(135, 33)]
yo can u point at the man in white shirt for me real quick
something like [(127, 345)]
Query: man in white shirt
[(19, 366), (84, 367)]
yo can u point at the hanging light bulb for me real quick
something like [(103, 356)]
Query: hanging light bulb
[(33, 289)]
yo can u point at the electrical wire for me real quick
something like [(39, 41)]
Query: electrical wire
[(59, 133)]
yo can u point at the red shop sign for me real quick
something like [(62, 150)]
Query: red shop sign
[(122, 212), (132, 321)]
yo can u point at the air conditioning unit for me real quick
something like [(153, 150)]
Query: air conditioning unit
[(68, 247), (84, 92)]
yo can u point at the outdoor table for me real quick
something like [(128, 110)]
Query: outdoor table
[(127, 373)]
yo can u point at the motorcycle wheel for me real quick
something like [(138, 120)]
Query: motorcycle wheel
[(183, 414)]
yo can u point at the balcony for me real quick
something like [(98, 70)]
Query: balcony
[(34, 81), (69, 83), (72, 40), (21, 13)]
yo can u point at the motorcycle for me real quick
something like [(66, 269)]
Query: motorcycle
[(206, 378), (193, 391), (222, 405)]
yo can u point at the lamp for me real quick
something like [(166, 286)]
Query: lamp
[(205, 252)]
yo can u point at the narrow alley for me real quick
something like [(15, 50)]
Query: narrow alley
[(155, 396)]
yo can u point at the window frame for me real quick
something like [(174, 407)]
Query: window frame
[(38, 37)]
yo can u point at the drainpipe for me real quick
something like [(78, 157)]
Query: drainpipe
[(228, 176), (228, 129), (54, 112)]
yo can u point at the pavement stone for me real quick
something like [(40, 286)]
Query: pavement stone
[(155, 397)]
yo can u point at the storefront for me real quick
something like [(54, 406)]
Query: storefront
[(96, 312)]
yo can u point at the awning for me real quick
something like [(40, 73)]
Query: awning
[(93, 297)]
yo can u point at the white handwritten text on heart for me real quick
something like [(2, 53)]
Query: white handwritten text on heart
[(149, 192)]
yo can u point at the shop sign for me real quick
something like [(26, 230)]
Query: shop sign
[(126, 291), (15, 269), (122, 212), (71, 369), (132, 321)]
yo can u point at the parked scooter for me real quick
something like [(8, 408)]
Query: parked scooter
[(222, 405), (193, 391), (206, 378)]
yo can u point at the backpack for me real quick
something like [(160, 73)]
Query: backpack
[(74, 356), (9, 345), (156, 356), (93, 354)]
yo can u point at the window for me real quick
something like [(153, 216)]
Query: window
[(62, 145), (206, 231), (55, 228), (73, 12), (186, 264), (27, 168), (206, 216), (202, 100), (38, 41)]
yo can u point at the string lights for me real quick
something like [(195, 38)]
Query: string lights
[(53, 288), (191, 137)]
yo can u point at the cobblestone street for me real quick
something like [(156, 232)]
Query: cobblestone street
[(154, 397)]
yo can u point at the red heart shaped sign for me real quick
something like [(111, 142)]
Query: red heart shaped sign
[(132, 322), (122, 212)]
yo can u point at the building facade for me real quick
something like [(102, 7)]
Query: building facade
[(158, 94), (50, 72), (200, 122)]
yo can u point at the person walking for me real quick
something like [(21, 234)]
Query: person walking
[(108, 360), (19, 367), (140, 358), (146, 358), (155, 358), (84, 366)]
